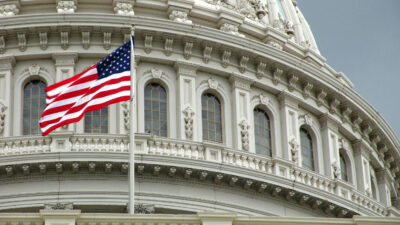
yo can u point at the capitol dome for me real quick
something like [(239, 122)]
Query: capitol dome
[(237, 112)]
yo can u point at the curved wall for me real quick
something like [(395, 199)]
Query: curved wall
[(191, 48)]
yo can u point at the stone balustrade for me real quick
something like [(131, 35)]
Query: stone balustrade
[(151, 145)]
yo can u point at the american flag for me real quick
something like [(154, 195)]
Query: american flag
[(104, 83)]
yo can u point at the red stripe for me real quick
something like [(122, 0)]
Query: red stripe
[(91, 108), (83, 92), (80, 107), (69, 80), (80, 81)]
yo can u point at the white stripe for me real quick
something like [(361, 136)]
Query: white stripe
[(96, 101), (79, 100), (94, 84), (63, 87)]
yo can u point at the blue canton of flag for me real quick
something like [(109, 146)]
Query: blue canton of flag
[(116, 62)]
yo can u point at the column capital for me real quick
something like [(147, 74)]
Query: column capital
[(65, 59), (7, 63), (185, 68)]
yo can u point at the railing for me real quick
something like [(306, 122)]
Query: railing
[(146, 144)]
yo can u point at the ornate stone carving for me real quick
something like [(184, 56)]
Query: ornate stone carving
[(243, 63), (148, 43), (294, 149), (356, 122), (75, 167), (336, 170), (247, 184), (124, 9), (292, 82), (107, 40), (34, 69), (2, 117), (64, 6), (156, 73), (218, 178), (126, 114), (144, 209), (2, 45), (168, 46), (321, 97), (59, 206), (21, 41), (187, 49), (244, 133), (333, 105), (108, 167), (188, 173), (179, 16), (64, 39), (207, 53), (226, 58), (42, 168), (213, 84), (188, 118), (262, 187), (233, 181), (264, 99), (307, 119), (307, 89), (43, 40), (85, 39), (277, 73), (288, 26), (261, 69), (346, 111), (231, 29), (274, 44), (9, 10)]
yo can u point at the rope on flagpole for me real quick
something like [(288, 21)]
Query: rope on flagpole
[(132, 123)]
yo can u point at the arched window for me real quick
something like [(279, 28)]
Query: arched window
[(155, 109), (211, 118), (307, 154), (97, 121), (34, 102), (262, 132), (343, 168)]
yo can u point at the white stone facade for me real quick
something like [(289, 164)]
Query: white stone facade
[(228, 48)]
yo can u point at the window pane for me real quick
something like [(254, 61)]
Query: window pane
[(211, 118), (306, 149), (96, 121), (262, 132), (34, 102), (155, 109), (343, 169)]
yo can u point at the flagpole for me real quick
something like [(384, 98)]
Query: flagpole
[(132, 118)]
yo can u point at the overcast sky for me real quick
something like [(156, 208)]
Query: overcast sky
[(361, 38)]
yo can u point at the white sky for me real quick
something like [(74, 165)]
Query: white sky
[(361, 38)]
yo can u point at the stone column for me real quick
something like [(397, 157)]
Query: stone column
[(6, 88), (65, 68), (298, 30), (330, 146), (186, 100), (290, 129), (384, 188), (241, 113), (361, 159)]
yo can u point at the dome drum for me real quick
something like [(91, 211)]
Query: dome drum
[(211, 68)]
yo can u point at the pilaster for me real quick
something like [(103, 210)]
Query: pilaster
[(290, 130), (241, 113), (384, 188), (361, 159), (186, 99), (64, 64), (6, 88), (330, 146)]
